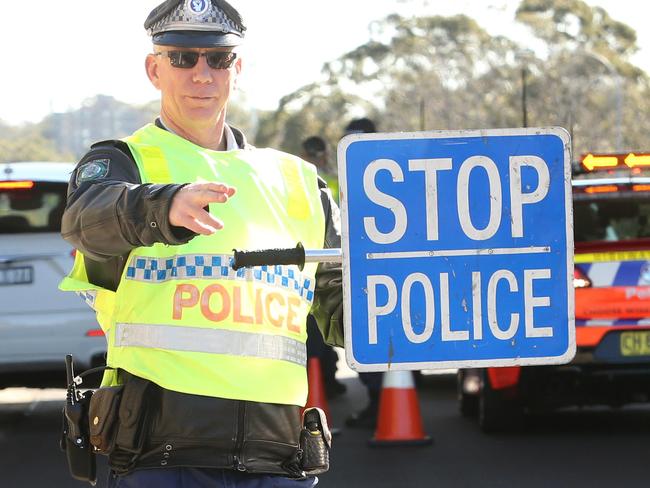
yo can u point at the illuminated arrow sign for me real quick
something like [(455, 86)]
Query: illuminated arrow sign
[(596, 162), (592, 162), (632, 160)]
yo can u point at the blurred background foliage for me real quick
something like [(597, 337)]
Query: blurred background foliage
[(423, 73)]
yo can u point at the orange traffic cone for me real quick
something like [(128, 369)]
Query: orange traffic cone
[(399, 421), (316, 396)]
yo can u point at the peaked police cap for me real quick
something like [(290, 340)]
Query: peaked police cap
[(195, 23)]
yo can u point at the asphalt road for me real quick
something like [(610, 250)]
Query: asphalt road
[(574, 448)]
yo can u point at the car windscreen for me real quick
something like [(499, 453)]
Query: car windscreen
[(611, 216), (31, 207)]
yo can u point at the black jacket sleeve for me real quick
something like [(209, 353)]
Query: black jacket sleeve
[(111, 215), (328, 297), (108, 216)]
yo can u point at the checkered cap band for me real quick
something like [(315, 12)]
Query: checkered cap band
[(180, 19), (217, 266)]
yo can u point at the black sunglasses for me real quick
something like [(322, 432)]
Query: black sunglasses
[(188, 59)]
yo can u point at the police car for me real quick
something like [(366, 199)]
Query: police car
[(39, 325), (611, 195)]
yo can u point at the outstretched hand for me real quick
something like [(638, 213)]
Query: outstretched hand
[(188, 207)]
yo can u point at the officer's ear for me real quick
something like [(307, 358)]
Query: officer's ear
[(151, 65), (238, 66)]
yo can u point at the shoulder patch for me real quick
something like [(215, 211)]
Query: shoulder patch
[(92, 170)]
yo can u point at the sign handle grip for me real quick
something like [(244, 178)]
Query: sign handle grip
[(294, 255)]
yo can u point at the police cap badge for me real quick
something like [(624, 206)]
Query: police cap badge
[(195, 23)]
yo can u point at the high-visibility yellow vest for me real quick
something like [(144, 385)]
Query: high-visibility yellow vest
[(181, 317)]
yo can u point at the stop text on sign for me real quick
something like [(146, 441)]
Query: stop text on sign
[(431, 167)]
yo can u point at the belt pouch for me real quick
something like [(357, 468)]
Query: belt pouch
[(103, 417), (132, 415), (132, 425), (315, 442)]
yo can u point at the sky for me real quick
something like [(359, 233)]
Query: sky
[(61, 53)]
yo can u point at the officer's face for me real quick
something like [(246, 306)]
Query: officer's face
[(192, 97)]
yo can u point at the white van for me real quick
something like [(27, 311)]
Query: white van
[(39, 324)]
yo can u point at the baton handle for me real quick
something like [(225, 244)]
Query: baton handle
[(269, 257), (295, 255)]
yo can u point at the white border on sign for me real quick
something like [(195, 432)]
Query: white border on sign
[(348, 140)]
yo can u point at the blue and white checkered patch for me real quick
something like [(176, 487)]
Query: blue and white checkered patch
[(217, 266), (89, 297)]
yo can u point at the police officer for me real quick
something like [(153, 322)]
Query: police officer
[(211, 361), (314, 150), (366, 418)]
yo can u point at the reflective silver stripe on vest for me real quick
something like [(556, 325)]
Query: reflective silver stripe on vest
[(212, 341), (216, 266)]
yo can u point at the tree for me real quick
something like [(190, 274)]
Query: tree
[(413, 74), (571, 25), (587, 83), (28, 144), (435, 72)]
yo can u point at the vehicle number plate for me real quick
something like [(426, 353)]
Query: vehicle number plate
[(636, 343), (20, 275)]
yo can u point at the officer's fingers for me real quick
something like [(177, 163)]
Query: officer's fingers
[(190, 203), (183, 212), (218, 187), (213, 197), (199, 226), (208, 220), (205, 196), (209, 192), (194, 190)]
